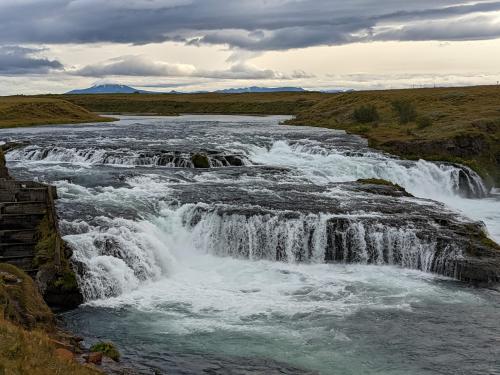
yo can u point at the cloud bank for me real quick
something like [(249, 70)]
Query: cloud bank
[(246, 24), (21, 60), (142, 66)]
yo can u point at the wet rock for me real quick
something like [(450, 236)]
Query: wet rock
[(382, 187), (94, 358), (234, 160), (200, 161), (60, 289)]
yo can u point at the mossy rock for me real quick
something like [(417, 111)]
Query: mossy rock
[(378, 182), (107, 349), (200, 161), (20, 301), (58, 283)]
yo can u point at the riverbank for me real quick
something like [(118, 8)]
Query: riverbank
[(30, 342), (20, 111), (35, 273), (459, 125)]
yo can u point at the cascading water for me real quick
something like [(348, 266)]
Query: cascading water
[(273, 255), (422, 178), (124, 157)]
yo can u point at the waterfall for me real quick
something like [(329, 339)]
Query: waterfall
[(117, 255), (293, 237), (126, 157), (421, 178)]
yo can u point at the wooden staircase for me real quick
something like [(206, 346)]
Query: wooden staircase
[(23, 205)]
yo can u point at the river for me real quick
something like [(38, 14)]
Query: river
[(178, 264)]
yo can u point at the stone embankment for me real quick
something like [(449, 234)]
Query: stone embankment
[(30, 239)]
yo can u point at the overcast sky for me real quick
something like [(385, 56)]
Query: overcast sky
[(185, 45)]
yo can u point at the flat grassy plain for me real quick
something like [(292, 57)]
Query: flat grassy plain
[(18, 111), (283, 103)]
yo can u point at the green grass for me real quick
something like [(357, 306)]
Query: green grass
[(18, 111), (460, 125)]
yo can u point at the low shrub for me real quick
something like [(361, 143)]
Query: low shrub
[(365, 114), (405, 110)]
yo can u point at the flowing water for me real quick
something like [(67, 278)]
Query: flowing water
[(222, 270)]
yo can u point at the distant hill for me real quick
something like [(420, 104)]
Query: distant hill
[(124, 89), (109, 89), (255, 89)]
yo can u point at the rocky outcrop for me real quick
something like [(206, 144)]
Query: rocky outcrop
[(367, 222), (30, 239), (462, 148)]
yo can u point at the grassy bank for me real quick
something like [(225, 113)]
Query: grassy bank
[(17, 111), (28, 335), (459, 125), (285, 103)]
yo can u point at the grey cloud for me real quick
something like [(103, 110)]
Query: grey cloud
[(476, 27), (141, 66), (22, 60), (245, 24), (134, 66)]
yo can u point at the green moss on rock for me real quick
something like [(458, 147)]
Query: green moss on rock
[(56, 277), (107, 349), (380, 181)]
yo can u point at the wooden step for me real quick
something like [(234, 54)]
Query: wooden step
[(17, 249), (14, 221), (24, 195), (18, 236), (24, 208)]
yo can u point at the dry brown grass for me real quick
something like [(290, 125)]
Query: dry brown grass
[(31, 352), (16, 111), (25, 325)]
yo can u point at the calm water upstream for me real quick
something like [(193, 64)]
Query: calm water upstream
[(178, 264)]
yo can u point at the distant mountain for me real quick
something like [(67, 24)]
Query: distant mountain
[(124, 89), (109, 89), (260, 89), (337, 91)]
